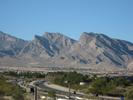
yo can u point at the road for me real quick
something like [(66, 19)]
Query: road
[(60, 90)]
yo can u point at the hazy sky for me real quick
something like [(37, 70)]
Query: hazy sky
[(25, 18)]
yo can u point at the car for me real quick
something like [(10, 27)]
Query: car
[(61, 99), (79, 98)]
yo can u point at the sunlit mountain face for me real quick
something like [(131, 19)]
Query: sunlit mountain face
[(91, 51)]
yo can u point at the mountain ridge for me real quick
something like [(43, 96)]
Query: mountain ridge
[(92, 50)]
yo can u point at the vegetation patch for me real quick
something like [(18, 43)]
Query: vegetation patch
[(9, 89)]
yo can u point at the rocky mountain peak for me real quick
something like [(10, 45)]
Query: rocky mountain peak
[(86, 38), (51, 35), (49, 44), (59, 39)]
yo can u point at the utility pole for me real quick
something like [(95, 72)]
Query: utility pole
[(35, 93), (68, 82), (69, 90)]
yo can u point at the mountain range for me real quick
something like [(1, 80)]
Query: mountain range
[(55, 50)]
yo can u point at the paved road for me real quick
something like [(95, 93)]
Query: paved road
[(78, 94), (46, 86), (61, 91), (61, 88)]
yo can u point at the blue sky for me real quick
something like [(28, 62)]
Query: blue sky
[(25, 18)]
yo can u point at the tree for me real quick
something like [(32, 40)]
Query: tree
[(18, 96), (52, 94), (101, 86), (129, 94), (121, 81)]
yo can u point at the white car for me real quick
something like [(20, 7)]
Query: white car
[(43, 97), (79, 98), (61, 99)]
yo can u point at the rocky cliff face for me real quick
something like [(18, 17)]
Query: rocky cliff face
[(92, 50)]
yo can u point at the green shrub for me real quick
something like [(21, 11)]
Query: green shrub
[(129, 94)]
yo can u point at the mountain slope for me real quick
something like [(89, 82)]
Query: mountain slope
[(9, 45)]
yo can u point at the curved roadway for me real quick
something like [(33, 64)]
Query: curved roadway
[(46, 86)]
